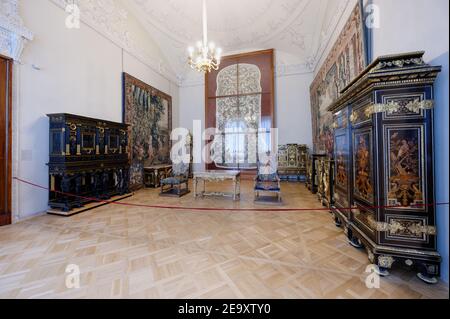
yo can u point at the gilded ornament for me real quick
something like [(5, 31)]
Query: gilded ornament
[(353, 117), (400, 63), (405, 227), (371, 256), (395, 107), (385, 261)]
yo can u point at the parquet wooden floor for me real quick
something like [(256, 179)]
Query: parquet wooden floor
[(137, 252)]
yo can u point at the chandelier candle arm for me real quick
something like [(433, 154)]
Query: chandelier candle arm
[(206, 57)]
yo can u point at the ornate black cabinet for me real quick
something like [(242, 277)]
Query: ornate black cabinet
[(342, 194), (292, 160), (312, 178), (390, 178), (325, 175), (88, 158)]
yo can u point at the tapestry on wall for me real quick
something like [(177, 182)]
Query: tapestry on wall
[(345, 61), (148, 112)]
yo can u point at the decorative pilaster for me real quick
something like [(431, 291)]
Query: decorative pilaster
[(13, 34)]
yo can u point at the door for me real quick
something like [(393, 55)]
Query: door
[(5, 140)]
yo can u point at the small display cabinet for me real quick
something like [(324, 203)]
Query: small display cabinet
[(88, 161), (292, 160), (312, 178), (325, 175)]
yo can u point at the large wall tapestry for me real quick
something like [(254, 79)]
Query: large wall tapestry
[(148, 111), (345, 61), (240, 101)]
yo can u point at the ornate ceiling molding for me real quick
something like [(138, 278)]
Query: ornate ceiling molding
[(328, 34), (13, 33), (302, 29), (161, 14), (107, 18)]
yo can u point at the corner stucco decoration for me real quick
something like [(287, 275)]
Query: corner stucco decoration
[(13, 34), (110, 20)]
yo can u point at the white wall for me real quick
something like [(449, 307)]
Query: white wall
[(292, 108), (81, 73), (413, 25)]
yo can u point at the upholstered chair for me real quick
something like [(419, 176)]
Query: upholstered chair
[(177, 184), (267, 180)]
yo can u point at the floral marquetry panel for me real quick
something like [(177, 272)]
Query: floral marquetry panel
[(405, 166), (239, 104), (342, 170), (362, 162)]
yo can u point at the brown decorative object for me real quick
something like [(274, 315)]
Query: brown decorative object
[(154, 174), (390, 185), (148, 112), (242, 90), (5, 139), (345, 61)]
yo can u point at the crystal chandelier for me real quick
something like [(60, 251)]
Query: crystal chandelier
[(205, 57)]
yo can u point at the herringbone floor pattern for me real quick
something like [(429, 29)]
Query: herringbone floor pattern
[(136, 252)]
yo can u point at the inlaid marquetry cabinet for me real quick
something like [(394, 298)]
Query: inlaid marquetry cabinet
[(292, 160), (383, 151), (312, 172), (88, 160), (325, 176)]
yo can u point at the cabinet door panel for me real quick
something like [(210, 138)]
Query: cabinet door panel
[(342, 169), (363, 182), (404, 169)]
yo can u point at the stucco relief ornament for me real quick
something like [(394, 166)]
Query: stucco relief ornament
[(13, 34)]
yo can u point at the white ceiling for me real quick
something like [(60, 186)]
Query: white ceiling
[(299, 30)]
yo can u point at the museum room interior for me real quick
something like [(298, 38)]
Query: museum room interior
[(239, 149)]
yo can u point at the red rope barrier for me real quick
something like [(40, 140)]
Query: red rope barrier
[(93, 199)]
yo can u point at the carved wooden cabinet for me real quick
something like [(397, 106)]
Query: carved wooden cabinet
[(88, 158), (312, 179), (325, 175), (384, 163), (342, 189), (292, 160)]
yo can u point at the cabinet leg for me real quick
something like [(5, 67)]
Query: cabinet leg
[(337, 222), (355, 242), (381, 271), (428, 273), (429, 279)]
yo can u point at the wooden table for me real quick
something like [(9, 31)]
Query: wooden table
[(218, 176), (154, 174)]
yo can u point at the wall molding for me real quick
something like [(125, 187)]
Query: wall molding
[(13, 34), (108, 19)]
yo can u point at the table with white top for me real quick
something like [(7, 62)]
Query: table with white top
[(217, 176)]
